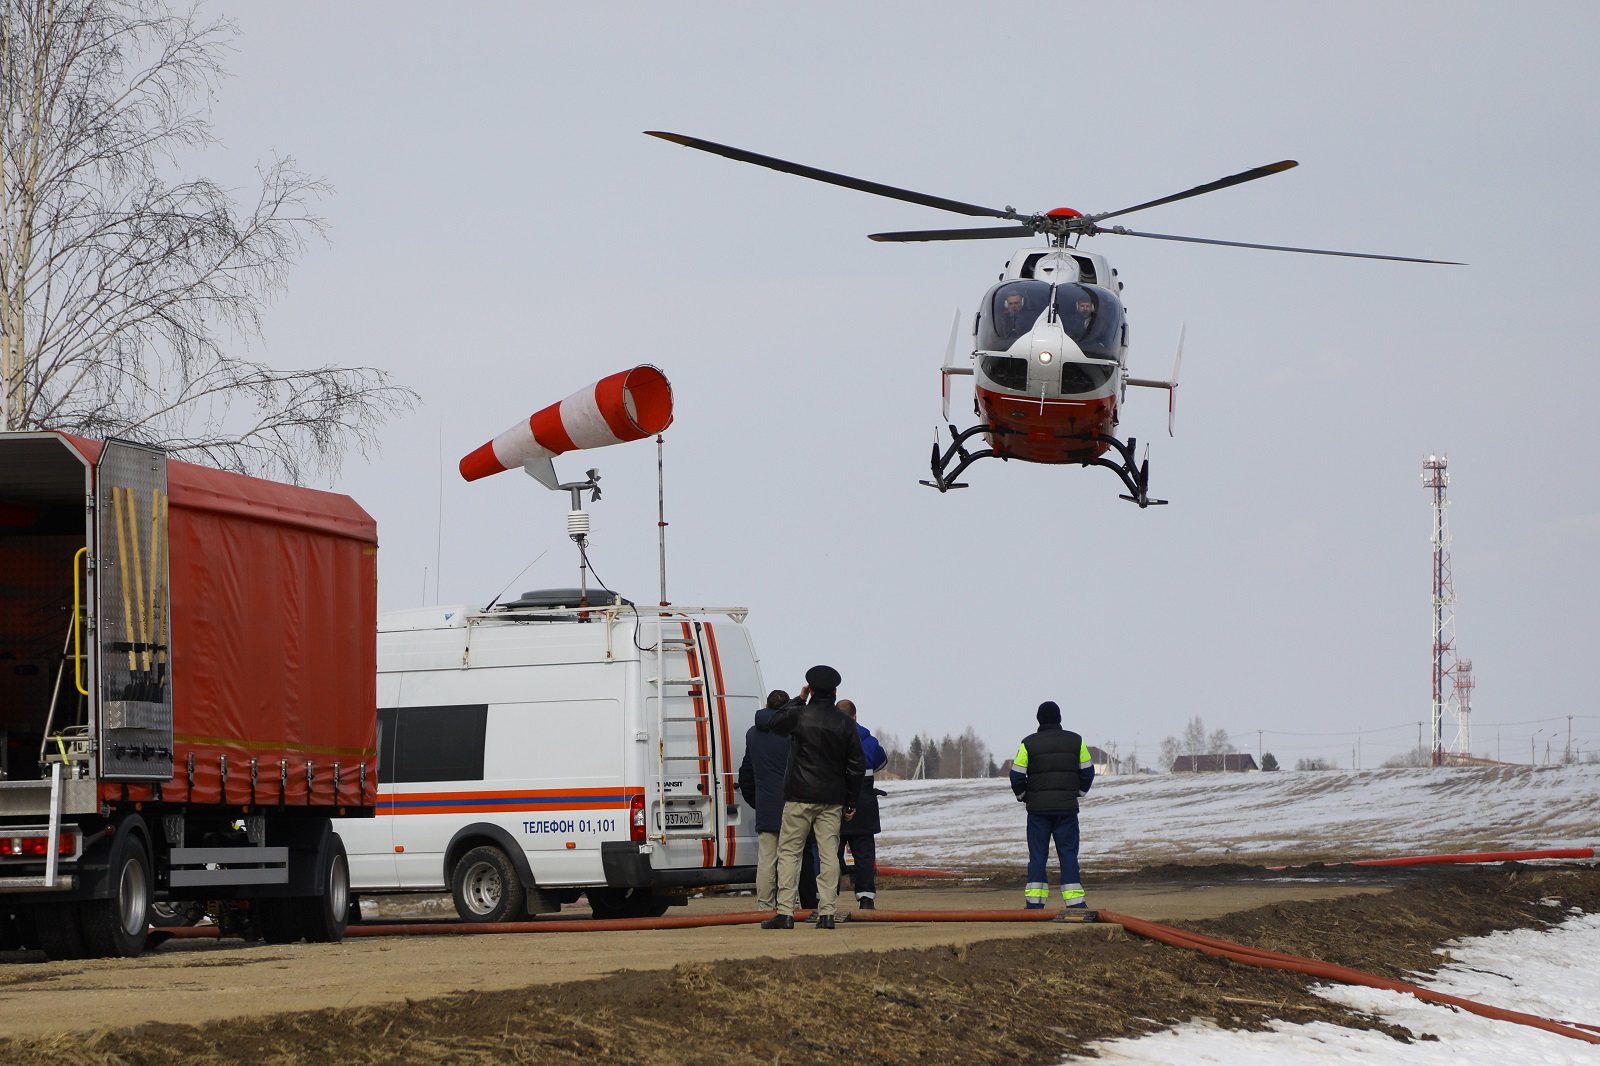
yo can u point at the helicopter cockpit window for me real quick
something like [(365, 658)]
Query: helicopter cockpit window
[(1006, 371), (1012, 311), (1092, 317)]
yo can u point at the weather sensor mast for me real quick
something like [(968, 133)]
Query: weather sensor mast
[(1436, 478)]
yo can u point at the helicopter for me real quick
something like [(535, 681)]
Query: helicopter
[(1050, 338)]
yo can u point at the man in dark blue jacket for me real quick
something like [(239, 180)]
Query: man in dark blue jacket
[(1051, 770), (766, 758), (860, 832)]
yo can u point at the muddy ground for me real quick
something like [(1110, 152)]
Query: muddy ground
[(1002, 994)]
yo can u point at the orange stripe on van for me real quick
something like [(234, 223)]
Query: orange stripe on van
[(722, 717), (699, 728)]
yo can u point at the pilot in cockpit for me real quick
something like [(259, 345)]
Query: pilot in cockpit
[(1013, 320), (1077, 320)]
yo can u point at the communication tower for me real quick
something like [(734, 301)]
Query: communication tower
[(1436, 478), (1464, 685)]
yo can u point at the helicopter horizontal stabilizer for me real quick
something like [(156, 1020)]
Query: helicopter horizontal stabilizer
[(1171, 384), (950, 364)]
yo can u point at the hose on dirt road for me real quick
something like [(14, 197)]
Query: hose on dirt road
[(1468, 857)]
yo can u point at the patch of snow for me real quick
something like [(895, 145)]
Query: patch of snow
[(1330, 815), (1548, 972)]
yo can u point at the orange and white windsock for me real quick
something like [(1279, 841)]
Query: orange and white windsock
[(628, 406)]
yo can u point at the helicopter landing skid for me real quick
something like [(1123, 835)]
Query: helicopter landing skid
[(1135, 476), (943, 481)]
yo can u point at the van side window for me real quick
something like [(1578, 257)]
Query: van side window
[(431, 743)]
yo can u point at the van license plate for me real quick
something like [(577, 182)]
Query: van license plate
[(685, 820)]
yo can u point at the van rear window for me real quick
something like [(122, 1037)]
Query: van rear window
[(431, 743)]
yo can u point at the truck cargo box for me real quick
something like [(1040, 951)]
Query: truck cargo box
[(266, 683), (187, 695)]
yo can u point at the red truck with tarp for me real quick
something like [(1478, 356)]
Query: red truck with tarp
[(187, 695)]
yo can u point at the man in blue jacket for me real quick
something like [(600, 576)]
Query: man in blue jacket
[(1051, 770), (860, 832)]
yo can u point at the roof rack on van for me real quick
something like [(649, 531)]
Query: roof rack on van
[(513, 612)]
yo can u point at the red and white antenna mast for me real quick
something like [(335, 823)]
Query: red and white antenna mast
[(1464, 686), (1436, 478)]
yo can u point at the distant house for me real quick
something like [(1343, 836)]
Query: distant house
[(1201, 764), (1104, 762)]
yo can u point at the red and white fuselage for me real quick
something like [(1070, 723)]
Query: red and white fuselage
[(1049, 346)]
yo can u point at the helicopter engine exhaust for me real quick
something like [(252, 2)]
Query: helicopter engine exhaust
[(629, 405)]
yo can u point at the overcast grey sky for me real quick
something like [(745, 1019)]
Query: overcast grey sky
[(503, 235)]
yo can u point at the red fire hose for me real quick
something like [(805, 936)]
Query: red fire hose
[(1469, 857), (1487, 856), (1274, 960)]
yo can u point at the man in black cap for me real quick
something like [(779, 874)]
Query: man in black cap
[(1051, 770), (820, 786)]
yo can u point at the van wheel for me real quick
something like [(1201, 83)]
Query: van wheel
[(323, 917), (486, 886), (608, 903)]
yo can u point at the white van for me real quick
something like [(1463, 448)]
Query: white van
[(533, 752)]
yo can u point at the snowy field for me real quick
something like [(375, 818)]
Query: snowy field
[(1552, 973), (1327, 816)]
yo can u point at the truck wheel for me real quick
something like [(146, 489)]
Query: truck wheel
[(608, 903), (323, 917), (27, 929), (276, 919), (116, 928), (486, 886), (59, 933), (10, 938)]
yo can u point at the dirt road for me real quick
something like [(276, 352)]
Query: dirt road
[(202, 981), (1006, 995)]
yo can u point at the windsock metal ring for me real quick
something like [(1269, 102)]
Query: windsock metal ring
[(630, 405)]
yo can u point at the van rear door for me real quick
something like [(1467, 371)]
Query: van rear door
[(694, 787)]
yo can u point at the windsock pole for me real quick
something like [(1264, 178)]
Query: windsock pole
[(661, 517)]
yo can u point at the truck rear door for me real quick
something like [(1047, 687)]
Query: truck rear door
[(135, 622)]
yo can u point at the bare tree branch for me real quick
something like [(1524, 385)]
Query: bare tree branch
[(125, 292)]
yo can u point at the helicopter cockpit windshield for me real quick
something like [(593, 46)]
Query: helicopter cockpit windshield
[(1013, 309), (1089, 314), (1092, 317)]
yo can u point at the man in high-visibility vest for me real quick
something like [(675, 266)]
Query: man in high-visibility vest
[(1051, 770)]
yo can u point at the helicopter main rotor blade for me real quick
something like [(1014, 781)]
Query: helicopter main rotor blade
[(1120, 231), (1221, 183), (831, 178), (955, 234)]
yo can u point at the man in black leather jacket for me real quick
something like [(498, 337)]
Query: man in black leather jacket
[(820, 787)]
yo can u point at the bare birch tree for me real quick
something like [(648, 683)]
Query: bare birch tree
[(128, 289)]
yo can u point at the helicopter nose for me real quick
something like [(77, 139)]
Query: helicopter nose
[(1050, 345)]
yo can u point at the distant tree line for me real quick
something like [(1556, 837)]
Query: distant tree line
[(1196, 741), (950, 756)]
